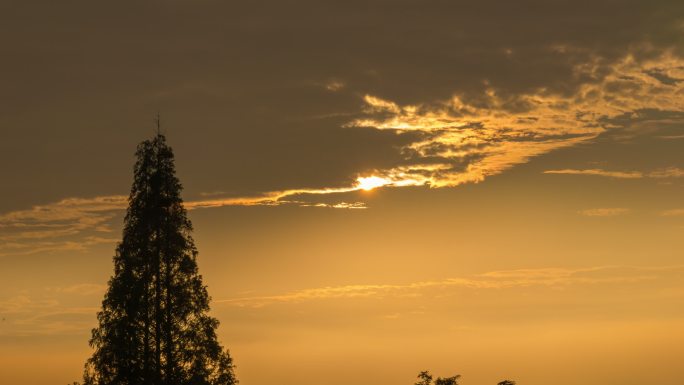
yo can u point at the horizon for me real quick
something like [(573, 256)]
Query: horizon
[(377, 188)]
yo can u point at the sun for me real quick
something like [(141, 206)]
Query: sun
[(371, 182)]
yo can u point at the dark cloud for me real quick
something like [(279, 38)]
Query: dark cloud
[(255, 95), (663, 77)]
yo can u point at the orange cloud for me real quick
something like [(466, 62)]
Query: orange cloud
[(673, 213), (473, 140), (599, 172), (604, 212), (670, 172), (503, 279)]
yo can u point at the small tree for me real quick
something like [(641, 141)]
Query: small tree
[(506, 382), (448, 380), (425, 378), (154, 327)]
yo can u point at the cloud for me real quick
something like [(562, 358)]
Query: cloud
[(494, 280), (671, 136), (442, 71), (599, 172), (51, 310), (40, 314), (69, 224), (465, 136), (273, 198), (669, 172), (71, 212), (466, 140), (75, 224), (334, 85), (604, 212), (36, 247), (82, 289), (672, 213), (341, 205), (68, 309)]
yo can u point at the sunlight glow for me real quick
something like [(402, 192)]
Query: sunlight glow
[(371, 182)]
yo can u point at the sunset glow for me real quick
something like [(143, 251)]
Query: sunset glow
[(373, 189), (371, 182)]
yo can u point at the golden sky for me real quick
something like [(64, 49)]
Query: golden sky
[(487, 188)]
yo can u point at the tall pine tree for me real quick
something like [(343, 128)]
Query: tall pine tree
[(154, 327)]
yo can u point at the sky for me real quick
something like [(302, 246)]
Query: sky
[(485, 188)]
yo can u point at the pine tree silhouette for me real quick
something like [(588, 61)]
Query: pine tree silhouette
[(154, 327)]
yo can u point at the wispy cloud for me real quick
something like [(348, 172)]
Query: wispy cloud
[(75, 224), (72, 308), (604, 212), (61, 218), (81, 289), (503, 279), (341, 205), (671, 136), (669, 172), (275, 198), (599, 172), (69, 224), (463, 139), (466, 138), (673, 213), (28, 314), (57, 244), (50, 310), (334, 85)]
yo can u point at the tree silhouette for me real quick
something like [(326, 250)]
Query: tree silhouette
[(425, 378), (154, 327), (448, 380)]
